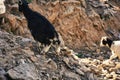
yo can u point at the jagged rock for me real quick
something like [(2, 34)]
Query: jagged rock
[(25, 72), (108, 63), (74, 14), (51, 65), (72, 75), (80, 72), (2, 71), (91, 76), (2, 77), (2, 74)]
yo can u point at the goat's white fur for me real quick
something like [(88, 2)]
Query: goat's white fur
[(115, 48), (2, 7)]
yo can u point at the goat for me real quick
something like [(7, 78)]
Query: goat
[(41, 29), (2, 7), (114, 46)]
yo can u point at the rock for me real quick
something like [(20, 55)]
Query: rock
[(117, 66), (29, 52), (34, 59), (91, 76), (71, 75), (2, 77), (2, 71), (2, 74), (51, 65), (66, 61), (100, 58), (79, 72), (108, 63), (114, 75), (24, 42), (25, 72)]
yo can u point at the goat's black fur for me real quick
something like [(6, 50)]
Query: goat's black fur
[(107, 41), (42, 30)]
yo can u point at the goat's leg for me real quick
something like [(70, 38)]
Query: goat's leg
[(39, 46), (113, 56), (57, 49), (45, 49)]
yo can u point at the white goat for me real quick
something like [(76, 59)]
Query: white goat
[(2, 7), (114, 46)]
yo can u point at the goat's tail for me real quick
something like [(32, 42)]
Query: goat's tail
[(58, 40)]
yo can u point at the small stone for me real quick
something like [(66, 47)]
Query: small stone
[(2, 74), (100, 58), (51, 64), (80, 72), (2, 71), (33, 58), (117, 66), (29, 52)]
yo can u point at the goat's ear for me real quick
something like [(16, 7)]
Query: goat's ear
[(20, 2)]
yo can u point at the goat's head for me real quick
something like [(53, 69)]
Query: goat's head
[(105, 41), (22, 4)]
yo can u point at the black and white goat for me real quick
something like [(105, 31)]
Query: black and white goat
[(114, 46), (41, 29)]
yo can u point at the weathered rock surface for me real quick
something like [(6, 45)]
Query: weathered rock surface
[(81, 24), (24, 72), (20, 60)]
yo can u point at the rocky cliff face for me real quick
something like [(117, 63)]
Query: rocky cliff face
[(80, 22), (21, 60)]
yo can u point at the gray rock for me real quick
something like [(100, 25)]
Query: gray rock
[(2, 71), (2, 74), (24, 71)]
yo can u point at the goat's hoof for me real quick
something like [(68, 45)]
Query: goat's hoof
[(57, 53), (42, 53)]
